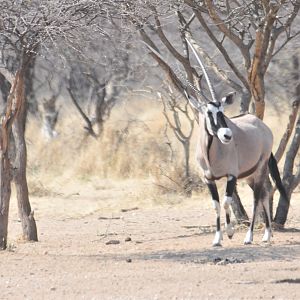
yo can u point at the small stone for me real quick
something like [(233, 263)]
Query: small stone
[(113, 242), (129, 260), (217, 260), (128, 239), (53, 289), (129, 209)]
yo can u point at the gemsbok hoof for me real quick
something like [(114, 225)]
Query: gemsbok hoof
[(267, 236), (249, 238), (218, 238)]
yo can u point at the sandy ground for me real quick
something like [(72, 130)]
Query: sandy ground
[(105, 240)]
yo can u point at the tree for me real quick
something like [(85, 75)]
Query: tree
[(96, 88), (174, 112), (28, 29)]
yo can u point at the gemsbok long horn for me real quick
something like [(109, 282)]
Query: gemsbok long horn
[(176, 73), (211, 89)]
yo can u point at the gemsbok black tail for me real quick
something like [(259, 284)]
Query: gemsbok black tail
[(276, 177)]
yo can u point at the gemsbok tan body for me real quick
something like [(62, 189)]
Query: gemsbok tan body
[(245, 153), (248, 150), (238, 147)]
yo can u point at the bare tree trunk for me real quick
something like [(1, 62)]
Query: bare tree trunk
[(49, 115), (294, 113), (5, 87), (283, 207), (5, 166), (186, 147), (89, 124), (20, 164), (245, 102), (256, 81), (290, 181), (98, 106), (5, 188), (29, 79), (188, 182)]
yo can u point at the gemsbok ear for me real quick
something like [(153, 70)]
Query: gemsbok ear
[(228, 99)]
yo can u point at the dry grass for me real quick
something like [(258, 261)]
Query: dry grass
[(133, 145)]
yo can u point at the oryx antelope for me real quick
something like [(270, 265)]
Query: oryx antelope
[(238, 147)]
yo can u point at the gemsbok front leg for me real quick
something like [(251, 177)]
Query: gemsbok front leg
[(231, 182), (216, 204)]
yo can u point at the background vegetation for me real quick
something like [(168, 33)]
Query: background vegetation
[(95, 103)]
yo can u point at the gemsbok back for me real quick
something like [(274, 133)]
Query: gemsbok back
[(238, 147)]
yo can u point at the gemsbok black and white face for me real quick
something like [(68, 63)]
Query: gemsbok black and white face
[(215, 122)]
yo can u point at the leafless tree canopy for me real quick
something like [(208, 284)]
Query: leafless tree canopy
[(248, 34), (28, 28)]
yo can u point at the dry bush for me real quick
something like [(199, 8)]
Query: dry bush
[(171, 179), (129, 148), (130, 152)]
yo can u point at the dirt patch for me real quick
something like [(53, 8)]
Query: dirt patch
[(163, 251)]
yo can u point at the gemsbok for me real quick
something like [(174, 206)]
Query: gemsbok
[(238, 147), (235, 148)]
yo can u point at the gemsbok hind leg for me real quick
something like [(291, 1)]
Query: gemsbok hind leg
[(216, 204), (259, 186), (231, 182), (266, 207), (257, 192)]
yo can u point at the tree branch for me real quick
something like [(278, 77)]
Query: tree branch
[(296, 180), (7, 74), (223, 51), (183, 60), (289, 129), (233, 37), (292, 152), (211, 64), (89, 127)]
